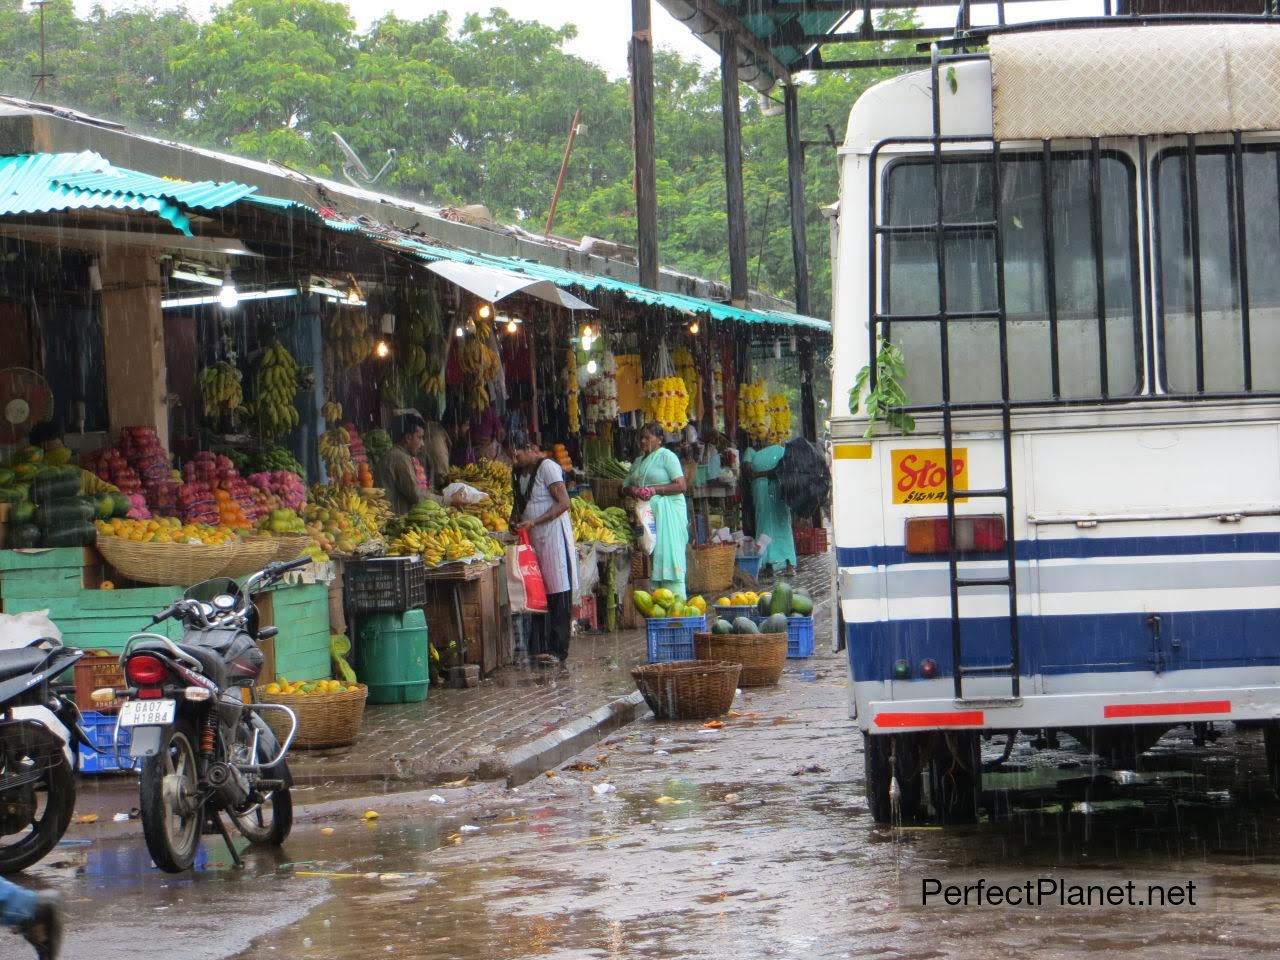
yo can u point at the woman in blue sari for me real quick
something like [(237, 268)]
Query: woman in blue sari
[(773, 516), (658, 477)]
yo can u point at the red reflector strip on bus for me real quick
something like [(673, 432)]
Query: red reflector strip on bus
[(1117, 710), (964, 718)]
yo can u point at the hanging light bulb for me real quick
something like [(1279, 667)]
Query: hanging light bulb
[(458, 332), (512, 326), (694, 328), (586, 332), (586, 343), (485, 311), (381, 349), (592, 367), (228, 295)]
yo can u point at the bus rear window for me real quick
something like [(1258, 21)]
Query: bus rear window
[(1064, 247)]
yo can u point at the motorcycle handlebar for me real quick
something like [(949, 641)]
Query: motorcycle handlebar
[(165, 614), (293, 565)]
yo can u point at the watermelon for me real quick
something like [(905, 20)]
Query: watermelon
[(722, 627), (121, 504), (70, 512), (781, 601), (27, 535), (11, 494), (777, 623), (802, 605), (72, 535), (54, 483), (744, 625), (765, 602)]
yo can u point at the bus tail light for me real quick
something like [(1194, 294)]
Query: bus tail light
[(975, 533)]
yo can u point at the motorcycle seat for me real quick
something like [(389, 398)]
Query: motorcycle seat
[(214, 667), (14, 663)]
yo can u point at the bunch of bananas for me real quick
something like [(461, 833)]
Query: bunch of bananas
[(571, 382), (377, 443), (336, 454), (272, 458), (593, 524), (667, 403), (332, 413), (717, 387), (687, 371), (779, 411), (220, 390), (753, 410), (277, 385), (346, 331), (377, 506), (481, 363), (493, 478), (345, 509), (442, 536)]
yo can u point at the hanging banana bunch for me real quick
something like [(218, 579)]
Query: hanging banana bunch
[(346, 331), (336, 454), (571, 376), (276, 383), (332, 413), (220, 390), (481, 363)]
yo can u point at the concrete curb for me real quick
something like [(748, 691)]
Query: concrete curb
[(525, 763), (516, 766)]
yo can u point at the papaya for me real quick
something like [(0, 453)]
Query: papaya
[(24, 511), (777, 623), (104, 506), (664, 597), (7, 477), (781, 600), (643, 602), (764, 605), (30, 455), (722, 627), (11, 495), (802, 605), (25, 472), (745, 625), (59, 457)]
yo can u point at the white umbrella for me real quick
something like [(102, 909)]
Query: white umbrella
[(494, 284)]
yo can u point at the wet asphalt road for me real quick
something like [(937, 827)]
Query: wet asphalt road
[(749, 841)]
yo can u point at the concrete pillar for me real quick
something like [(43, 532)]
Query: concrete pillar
[(133, 342)]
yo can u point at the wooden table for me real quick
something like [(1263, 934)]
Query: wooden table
[(463, 608)]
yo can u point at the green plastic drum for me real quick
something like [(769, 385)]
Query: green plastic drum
[(393, 656)]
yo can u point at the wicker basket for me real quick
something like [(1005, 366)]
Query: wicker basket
[(762, 655), (606, 493), (250, 557), (324, 719), (711, 568), (289, 546), (687, 689), (640, 565), (166, 564)]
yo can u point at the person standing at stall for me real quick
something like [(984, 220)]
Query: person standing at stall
[(542, 509), (406, 480), (773, 516), (658, 478)]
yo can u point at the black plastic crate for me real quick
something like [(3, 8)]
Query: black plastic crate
[(385, 584)]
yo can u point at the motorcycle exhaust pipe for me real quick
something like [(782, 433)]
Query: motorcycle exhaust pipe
[(229, 784)]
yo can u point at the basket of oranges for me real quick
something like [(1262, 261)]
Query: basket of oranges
[(328, 711), (165, 551)]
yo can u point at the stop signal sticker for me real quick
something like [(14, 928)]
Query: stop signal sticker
[(919, 476)]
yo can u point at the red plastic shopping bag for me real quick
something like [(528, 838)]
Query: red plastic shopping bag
[(525, 586)]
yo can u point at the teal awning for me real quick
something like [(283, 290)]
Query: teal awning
[(42, 183)]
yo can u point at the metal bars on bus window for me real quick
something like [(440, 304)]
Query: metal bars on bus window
[(1148, 307), (1050, 265), (1099, 262), (1193, 227), (1242, 257)]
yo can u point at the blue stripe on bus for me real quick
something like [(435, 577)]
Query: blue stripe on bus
[(1078, 548), (1078, 643)]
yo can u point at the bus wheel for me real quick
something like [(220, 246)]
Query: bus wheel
[(955, 777), (1271, 746)]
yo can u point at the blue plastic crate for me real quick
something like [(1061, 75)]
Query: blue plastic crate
[(671, 638), (749, 565), (799, 637), (101, 728)]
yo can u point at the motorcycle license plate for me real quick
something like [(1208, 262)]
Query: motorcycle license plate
[(147, 713)]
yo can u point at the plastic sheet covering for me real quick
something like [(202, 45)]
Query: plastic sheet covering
[(1135, 80), (804, 481)]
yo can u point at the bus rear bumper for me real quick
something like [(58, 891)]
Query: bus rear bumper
[(877, 715)]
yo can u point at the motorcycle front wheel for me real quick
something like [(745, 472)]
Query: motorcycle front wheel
[(35, 814), (268, 823), (172, 815)]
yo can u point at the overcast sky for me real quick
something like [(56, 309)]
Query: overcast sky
[(603, 26)]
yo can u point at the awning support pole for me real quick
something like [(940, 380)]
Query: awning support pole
[(646, 177), (795, 182), (736, 206)]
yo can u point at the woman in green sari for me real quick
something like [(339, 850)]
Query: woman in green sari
[(773, 516), (658, 478)]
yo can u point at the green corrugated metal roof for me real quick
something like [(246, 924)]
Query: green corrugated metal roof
[(54, 182), (587, 281), (772, 29), (294, 206)]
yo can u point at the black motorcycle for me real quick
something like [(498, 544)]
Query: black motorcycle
[(206, 751), (37, 782)]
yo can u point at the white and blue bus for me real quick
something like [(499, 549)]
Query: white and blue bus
[(1072, 240)]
